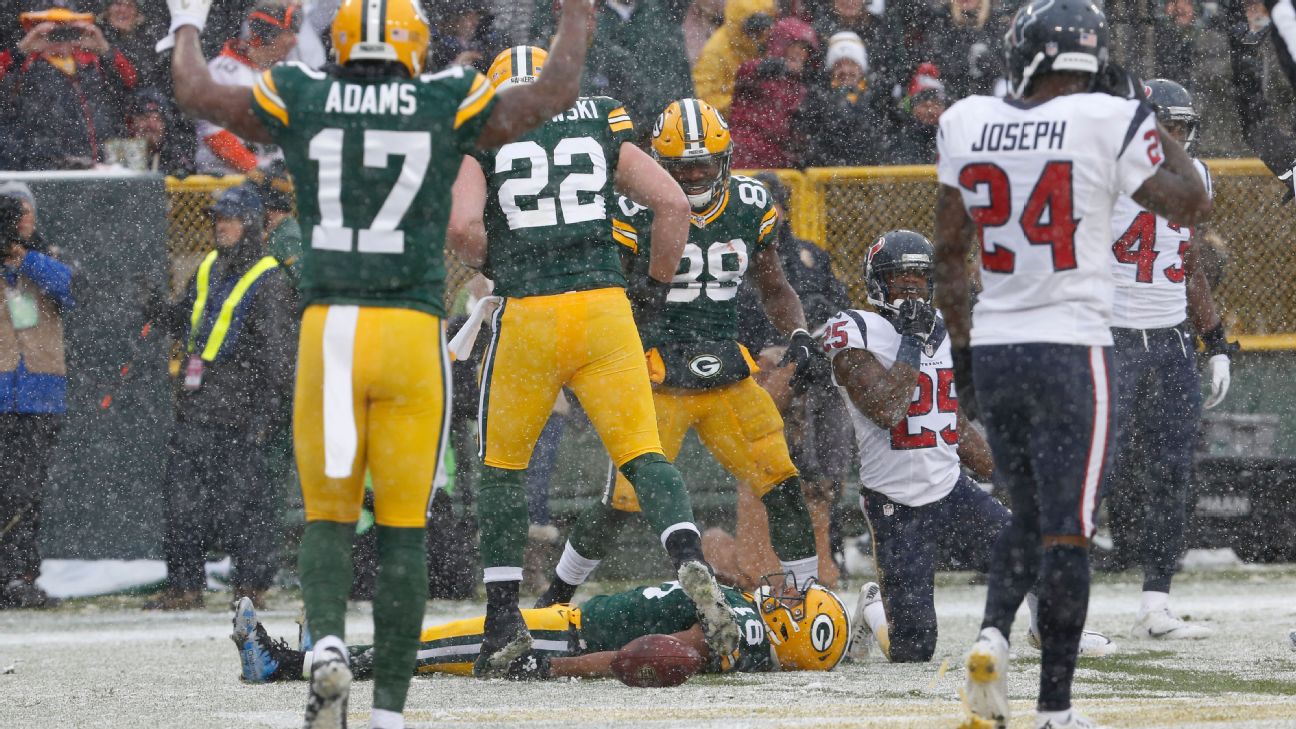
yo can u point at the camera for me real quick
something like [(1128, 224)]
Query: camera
[(65, 34)]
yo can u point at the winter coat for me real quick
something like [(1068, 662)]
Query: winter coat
[(915, 143), (726, 50), (48, 116), (654, 38), (765, 98), (33, 368), (969, 57), (841, 128)]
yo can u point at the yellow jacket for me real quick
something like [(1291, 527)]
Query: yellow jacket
[(726, 50)]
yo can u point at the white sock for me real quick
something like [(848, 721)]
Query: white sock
[(573, 568), (875, 616), (1059, 717), (1032, 604), (802, 569), (384, 719), (331, 642), (1153, 601)]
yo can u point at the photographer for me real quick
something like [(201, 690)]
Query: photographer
[(33, 383), (60, 92)]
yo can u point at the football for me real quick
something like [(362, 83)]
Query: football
[(655, 661)]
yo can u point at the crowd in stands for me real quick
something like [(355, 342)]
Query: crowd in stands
[(802, 82)]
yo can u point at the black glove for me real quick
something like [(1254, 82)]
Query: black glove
[(647, 297), (1118, 82), (1216, 343), (917, 318), (963, 387), (801, 349), (817, 372)]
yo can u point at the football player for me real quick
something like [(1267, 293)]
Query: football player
[(896, 374), (784, 628), (536, 215), (1157, 391), (1035, 176), (372, 144), (701, 374)]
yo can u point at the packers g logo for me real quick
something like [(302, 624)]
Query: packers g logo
[(705, 365), (659, 125), (822, 632)]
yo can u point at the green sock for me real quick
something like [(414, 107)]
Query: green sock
[(324, 560), (501, 509), (400, 596), (790, 529), (660, 488), (596, 530)]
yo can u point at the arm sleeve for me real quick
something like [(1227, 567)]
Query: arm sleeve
[(1207, 180), (268, 102), (631, 225), (1140, 154), (477, 102), (52, 277), (619, 124)]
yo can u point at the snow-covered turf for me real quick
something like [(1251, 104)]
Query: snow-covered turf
[(103, 663)]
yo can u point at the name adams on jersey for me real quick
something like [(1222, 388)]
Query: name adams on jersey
[(385, 153), (701, 305), (549, 198), (916, 462)]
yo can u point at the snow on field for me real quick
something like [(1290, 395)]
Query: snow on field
[(106, 664)]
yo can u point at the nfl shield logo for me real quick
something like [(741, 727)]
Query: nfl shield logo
[(888, 509)]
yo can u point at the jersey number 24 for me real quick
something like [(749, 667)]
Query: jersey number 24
[(1047, 219)]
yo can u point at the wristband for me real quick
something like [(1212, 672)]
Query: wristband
[(1215, 341)]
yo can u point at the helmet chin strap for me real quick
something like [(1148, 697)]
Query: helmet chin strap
[(700, 201)]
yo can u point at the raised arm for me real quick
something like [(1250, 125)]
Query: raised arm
[(466, 234), (1175, 190), (641, 179), (523, 108), (201, 97)]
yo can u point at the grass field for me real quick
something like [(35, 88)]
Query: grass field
[(103, 663)]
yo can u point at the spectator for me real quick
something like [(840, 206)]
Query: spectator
[(151, 143), (866, 20), (843, 120), (124, 28), (915, 138), (60, 92), (462, 34), (269, 36), (239, 334), (967, 47), (33, 384), (650, 31), (1175, 45), (746, 23), (767, 93), (701, 20)]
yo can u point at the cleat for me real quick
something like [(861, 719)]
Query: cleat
[(330, 685), (1071, 720), (507, 640), (1092, 643), (262, 659), (530, 667), (861, 641), (1163, 625), (986, 691), (715, 615), (557, 593)]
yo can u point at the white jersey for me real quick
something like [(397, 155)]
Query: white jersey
[(917, 461), (229, 68), (1147, 265), (1040, 182)]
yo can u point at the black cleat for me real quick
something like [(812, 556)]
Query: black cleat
[(558, 593), (506, 639)]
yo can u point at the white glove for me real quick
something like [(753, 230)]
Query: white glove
[(1220, 378), (184, 12)]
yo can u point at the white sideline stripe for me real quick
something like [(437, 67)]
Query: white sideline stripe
[(1283, 16), (1097, 442), (502, 574), (470, 650), (340, 437)]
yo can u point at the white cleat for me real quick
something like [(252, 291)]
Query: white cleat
[(1070, 720), (718, 620), (1092, 643), (1163, 625), (861, 638), (330, 686), (986, 689)]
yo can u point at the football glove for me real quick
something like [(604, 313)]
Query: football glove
[(184, 12), (916, 318), (647, 297), (801, 348), (1289, 182), (1219, 349), (1118, 82), (964, 390)]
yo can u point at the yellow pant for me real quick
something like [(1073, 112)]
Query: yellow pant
[(373, 392), (585, 340), (738, 423), (452, 647)]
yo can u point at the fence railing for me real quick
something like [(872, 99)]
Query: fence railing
[(843, 209)]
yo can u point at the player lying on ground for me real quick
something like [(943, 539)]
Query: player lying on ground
[(783, 628), (896, 373)]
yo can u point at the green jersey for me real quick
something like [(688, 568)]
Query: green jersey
[(702, 303), (548, 207), (373, 161), (608, 622)]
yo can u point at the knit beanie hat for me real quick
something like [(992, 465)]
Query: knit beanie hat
[(846, 44)]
